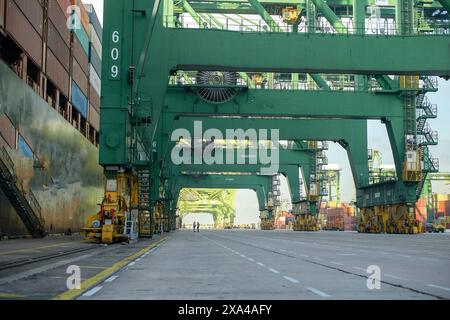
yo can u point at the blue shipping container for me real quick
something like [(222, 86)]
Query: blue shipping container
[(79, 100), (94, 59)]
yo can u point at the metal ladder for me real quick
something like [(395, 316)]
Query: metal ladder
[(25, 203), (145, 225)]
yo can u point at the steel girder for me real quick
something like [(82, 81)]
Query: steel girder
[(291, 103)]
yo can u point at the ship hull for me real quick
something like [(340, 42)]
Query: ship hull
[(62, 171)]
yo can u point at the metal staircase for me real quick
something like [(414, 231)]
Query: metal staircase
[(24, 202), (426, 136), (145, 226)]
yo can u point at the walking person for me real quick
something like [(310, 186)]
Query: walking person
[(198, 226), (195, 225)]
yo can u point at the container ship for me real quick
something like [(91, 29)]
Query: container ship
[(50, 67)]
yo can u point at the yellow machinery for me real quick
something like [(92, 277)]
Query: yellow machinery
[(115, 221), (412, 170), (258, 79), (306, 222), (267, 224), (290, 15), (389, 219)]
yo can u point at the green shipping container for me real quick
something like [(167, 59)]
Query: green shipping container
[(83, 38)]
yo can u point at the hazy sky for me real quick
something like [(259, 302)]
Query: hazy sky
[(247, 207)]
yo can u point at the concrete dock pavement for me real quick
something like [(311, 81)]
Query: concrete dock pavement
[(285, 265), (38, 269)]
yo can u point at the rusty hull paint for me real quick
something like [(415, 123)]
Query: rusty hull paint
[(71, 185)]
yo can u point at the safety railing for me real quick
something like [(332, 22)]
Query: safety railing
[(240, 23), (6, 159), (279, 83)]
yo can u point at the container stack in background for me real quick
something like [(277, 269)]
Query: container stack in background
[(441, 206), (62, 66), (341, 216)]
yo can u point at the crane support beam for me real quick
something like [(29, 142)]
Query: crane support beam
[(310, 53), (296, 103)]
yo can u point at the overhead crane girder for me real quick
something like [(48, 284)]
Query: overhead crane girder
[(292, 103)]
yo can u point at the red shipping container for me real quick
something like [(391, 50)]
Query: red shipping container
[(2, 13), (57, 16), (57, 74), (7, 132), (22, 31), (58, 46), (33, 11)]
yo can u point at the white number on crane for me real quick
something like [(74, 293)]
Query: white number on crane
[(115, 54)]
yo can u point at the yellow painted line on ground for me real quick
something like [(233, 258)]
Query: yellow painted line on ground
[(10, 296), (33, 249), (89, 283)]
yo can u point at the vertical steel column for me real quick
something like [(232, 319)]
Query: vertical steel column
[(168, 14), (311, 17), (359, 23)]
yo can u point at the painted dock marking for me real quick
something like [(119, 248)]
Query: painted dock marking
[(318, 292), (93, 291), (393, 276), (359, 268), (37, 248), (111, 279), (438, 287), (274, 271), (291, 279), (89, 283)]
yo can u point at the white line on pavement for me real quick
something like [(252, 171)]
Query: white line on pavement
[(347, 254), (359, 268), (337, 263), (291, 279), (404, 256), (111, 279), (261, 264), (439, 287), (131, 264), (304, 256), (243, 256), (250, 259), (316, 258), (394, 277), (274, 271), (93, 291), (318, 292)]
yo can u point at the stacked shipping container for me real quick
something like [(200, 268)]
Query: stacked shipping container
[(341, 217), (62, 65)]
